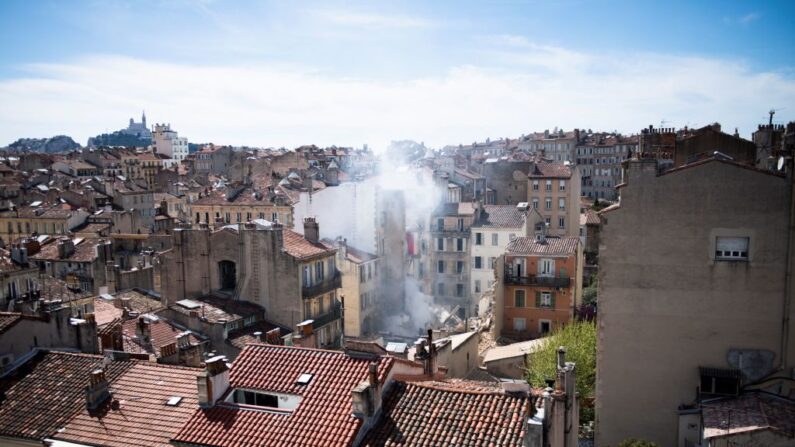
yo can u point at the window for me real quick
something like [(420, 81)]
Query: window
[(562, 185), (561, 204), (307, 276), (535, 185), (547, 220), (491, 262), (477, 286), (361, 274), (732, 248), (440, 289), (478, 262), (319, 270), (544, 326), (460, 224), (535, 203), (495, 239), (546, 267), (459, 267), (248, 216), (440, 267), (519, 324), (545, 299), (459, 290), (561, 222), (548, 185), (478, 238), (459, 244), (519, 298), (720, 381), (228, 218), (439, 244), (440, 224)]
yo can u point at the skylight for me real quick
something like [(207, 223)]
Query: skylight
[(304, 379), (173, 401)]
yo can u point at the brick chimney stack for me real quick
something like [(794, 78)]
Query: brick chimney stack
[(213, 382), (311, 230), (97, 391)]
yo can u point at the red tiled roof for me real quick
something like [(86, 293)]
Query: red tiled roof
[(143, 418), (449, 413), (8, 319), (554, 246), (50, 394), (241, 337), (501, 216), (323, 417), (161, 332), (591, 217), (85, 251), (546, 169), (297, 246), (105, 312)]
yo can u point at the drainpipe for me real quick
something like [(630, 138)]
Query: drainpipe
[(788, 272)]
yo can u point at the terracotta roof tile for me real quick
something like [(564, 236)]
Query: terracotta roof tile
[(592, 217), (161, 332), (449, 413), (8, 319), (297, 246), (85, 251), (322, 418), (143, 418), (501, 216), (545, 169), (553, 246), (50, 394), (241, 337)]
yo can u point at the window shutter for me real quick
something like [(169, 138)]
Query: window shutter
[(552, 299), (538, 299)]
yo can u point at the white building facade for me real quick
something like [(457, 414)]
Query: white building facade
[(169, 143), (490, 236)]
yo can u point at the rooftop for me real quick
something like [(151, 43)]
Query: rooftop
[(552, 246), (142, 418), (501, 216), (218, 310), (546, 169), (751, 412), (513, 350), (323, 417), (449, 413), (297, 246), (161, 332)]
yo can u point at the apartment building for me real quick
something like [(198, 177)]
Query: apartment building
[(240, 204), (491, 233), (39, 218), (293, 277), (693, 281), (553, 189), (360, 289), (556, 145), (450, 252), (539, 287), (167, 142), (599, 159)]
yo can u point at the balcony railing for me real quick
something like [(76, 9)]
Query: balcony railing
[(532, 280), (327, 285), (335, 313)]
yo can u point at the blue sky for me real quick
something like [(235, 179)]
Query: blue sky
[(288, 73)]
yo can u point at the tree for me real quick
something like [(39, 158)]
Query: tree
[(632, 442), (579, 339)]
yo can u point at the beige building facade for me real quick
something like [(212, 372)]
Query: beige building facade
[(359, 271), (553, 190), (692, 280)]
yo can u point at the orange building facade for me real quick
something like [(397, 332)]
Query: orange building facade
[(541, 284)]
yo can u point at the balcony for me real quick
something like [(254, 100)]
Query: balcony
[(327, 285), (537, 281), (335, 313)]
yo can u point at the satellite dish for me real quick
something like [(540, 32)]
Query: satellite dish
[(780, 164)]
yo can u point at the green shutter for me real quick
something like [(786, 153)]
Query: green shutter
[(552, 299), (538, 299)]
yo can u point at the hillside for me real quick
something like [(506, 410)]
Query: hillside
[(58, 143)]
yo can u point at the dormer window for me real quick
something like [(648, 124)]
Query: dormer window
[(731, 248), (265, 399)]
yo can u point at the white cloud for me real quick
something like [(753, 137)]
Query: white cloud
[(515, 91)]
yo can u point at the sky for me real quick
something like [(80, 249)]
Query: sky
[(287, 73)]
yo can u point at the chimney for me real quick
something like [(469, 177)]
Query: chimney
[(311, 230), (304, 336), (97, 391), (143, 331), (274, 337), (367, 395), (258, 336), (213, 382)]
